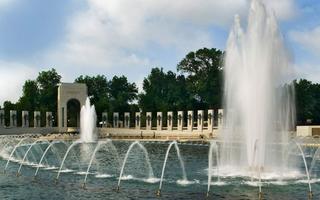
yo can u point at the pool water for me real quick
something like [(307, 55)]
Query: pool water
[(136, 183)]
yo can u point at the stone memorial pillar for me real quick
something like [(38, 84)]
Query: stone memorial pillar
[(25, 119), (190, 120), (115, 120), (148, 120), (138, 120), (169, 120), (2, 120), (127, 120), (49, 118), (13, 118), (36, 119), (220, 118), (200, 120), (104, 119), (159, 121), (180, 120), (210, 119)]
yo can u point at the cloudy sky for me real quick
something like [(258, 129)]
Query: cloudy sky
[(129, 37)]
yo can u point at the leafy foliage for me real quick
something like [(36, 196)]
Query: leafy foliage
[(164, 92), (121, 94), (307, 101), (204, 80), (115, 95)]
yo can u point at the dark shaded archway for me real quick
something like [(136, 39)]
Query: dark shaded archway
[(73, 113)]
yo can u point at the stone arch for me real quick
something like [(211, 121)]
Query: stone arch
[(70, 92), (73, 112)]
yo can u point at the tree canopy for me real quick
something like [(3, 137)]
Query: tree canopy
[(122, 93), (115, 95), (39, 94), (204, 76), (164, 92), (196, 85), (307, 101)]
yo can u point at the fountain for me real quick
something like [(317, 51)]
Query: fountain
[(136, 143), (259, 105), (12, 152), (213, 146), (253, 147), (88, 118), (26, 154), (42, 157), (93, 156), (64, 158), (184, 174), (105, 159)]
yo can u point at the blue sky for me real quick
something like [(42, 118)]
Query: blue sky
[(130, 37)]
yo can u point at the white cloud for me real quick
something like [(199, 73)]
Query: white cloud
[(5, 2), (309, 71), (309, 39), (12, 78), (119, 34)]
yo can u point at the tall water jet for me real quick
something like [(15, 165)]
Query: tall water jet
[(259, 103), (88, 119)]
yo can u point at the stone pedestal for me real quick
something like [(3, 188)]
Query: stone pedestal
[(180, 120), (49, 119), (2, 121), (138, 120), (104, 119), (127, 120), (36, 119), (13, 118), (115, 120), (25, 118), (210, 119), (190, 120), (148, 120), (169, 120), (200, 120), (220, 118), (159, 121)]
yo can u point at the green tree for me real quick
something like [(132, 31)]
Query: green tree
[(97, 91), (316, 93), (39, 94), (307, 101), (122, 94), (97, 86), (164, 92), (204, 77), (30, 96), (48, 79), (48, 82)]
